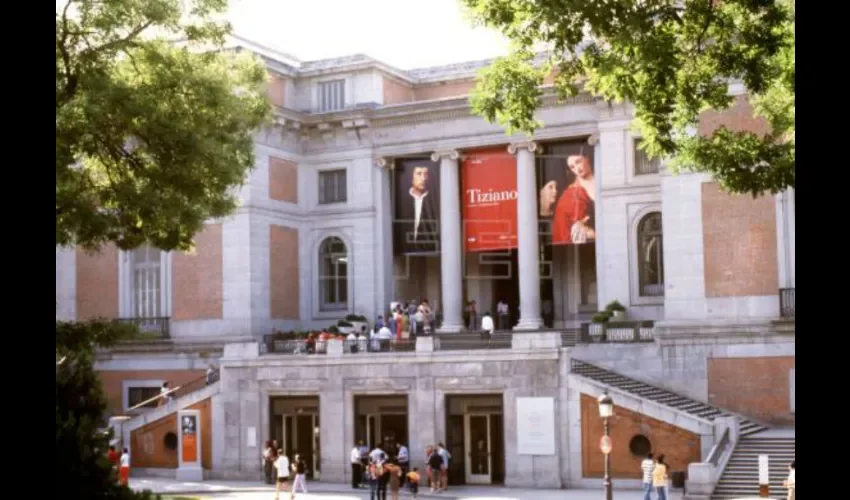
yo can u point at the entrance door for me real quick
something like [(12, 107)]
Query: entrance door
[(479, 463), (300, 436)]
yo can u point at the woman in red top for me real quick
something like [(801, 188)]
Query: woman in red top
[(573, 221)]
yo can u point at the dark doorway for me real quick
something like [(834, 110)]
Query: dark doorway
[(505, 285), (295, 426), (381, 421), (475, 437)]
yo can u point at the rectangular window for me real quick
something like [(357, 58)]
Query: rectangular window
[(643, 164), (136, 395), (331, 96), (147, 289), (332, 187)]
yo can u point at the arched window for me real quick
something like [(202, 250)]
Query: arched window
[(650, 255), (146, 268), (333, 275)]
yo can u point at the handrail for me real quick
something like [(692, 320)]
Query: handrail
[(718, 449), (188, 388)]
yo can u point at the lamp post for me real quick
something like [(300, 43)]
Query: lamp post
[(606, 411)]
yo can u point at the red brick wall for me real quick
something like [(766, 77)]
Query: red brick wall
[(97, 283), (396, 92), (283, 180), (737, 118), (198, 287), (680, 447), (284, 274), (441, 90), (756, 387), (276, 90), (148, 442), (112, 383), (739, 244)]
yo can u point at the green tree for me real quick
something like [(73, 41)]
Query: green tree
[(152, 136), (154, 133), (671, 59)]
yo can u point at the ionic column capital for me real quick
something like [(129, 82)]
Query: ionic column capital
[(593, 140), (451, 154), (531, 146), (383, 162)]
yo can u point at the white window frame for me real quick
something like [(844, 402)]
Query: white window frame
[(126, 292), (337, 306), (332, 173), (126, 385), (635, 152), (330, 96), (636, 217)]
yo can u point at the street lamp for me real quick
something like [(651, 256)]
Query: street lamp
[(606, 411)]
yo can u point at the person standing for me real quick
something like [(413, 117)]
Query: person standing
[(114, 459), (502, 314), (659, 478), (647, 466), (124, 469), (356, 466), (269, 457), (403, 457), (791, 481), (282, 466)]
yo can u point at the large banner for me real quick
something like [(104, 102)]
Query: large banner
[(489, 200), (416, 187), (567, 192)]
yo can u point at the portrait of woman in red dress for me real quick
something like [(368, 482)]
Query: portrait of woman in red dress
[(573, 214)]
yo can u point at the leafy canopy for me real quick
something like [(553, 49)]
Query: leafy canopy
[(152, 136), (671, 59)]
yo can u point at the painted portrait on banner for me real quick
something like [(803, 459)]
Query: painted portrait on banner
[(416, 192), (567, 192)]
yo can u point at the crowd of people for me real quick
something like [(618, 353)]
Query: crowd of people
[(379, 470)]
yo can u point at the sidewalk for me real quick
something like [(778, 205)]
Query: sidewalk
[(172, 486)]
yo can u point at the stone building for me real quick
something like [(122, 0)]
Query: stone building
[(325, 231)]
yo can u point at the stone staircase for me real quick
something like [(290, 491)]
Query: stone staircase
[(658, 395), (740, 478), (569, 337)]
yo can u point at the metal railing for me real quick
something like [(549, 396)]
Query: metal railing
[(154, 327), (277, 345), (178, 392), (786, 302), (718, 449), (619, 332)]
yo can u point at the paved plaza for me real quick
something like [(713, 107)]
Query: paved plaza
[(329, 491)]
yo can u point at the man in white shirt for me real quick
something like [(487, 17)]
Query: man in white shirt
[(282, 466), (487, 326), (646, 467), (502, 314), (384, 337), (377, 455), (351, 342), (403, 458), (356, 466)]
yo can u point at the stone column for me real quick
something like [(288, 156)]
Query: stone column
[(451, 251), (527, 236)]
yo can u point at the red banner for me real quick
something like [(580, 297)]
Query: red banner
[(489, 200)]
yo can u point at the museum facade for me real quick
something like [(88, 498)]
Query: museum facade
[(377, 185)]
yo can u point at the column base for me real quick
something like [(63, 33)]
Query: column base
[(531, 324), (451, 328)]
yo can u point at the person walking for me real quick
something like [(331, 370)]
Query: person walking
[(300, 469), (659, 478), (647, 466), (282, 466)]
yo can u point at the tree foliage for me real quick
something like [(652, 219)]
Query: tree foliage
[(671, 60), (152, 136)]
